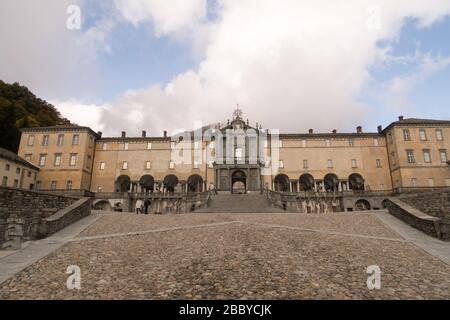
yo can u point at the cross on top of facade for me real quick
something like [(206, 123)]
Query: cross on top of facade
[(237, 114)]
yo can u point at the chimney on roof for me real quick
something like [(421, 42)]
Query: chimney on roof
[(380, 129), (165, 134), (144, 133), (124, 134), (311, 131), (99, 133), (359, 129), (400, 118), (334, 131)]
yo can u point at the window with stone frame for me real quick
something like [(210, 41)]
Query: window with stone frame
[(439, 135), (423, 135), (406, 135), (45, 140), (60, 140), (410, 156), (443, 155), (427, 156)]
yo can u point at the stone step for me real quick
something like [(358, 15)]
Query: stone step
[(239, 203)]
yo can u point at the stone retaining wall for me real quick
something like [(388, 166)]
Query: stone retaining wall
[(436, 203), (433, 226), (28, 215)]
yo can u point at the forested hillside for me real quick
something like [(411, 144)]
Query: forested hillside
[(19, 108)]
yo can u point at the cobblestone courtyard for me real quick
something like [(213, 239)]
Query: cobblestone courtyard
[(235, 256)]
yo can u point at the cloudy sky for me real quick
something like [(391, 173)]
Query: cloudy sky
[(291, 64)]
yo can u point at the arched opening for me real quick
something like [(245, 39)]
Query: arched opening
[(362, 205), (238, 182), (385, 203), (195, 183), (331, 182), (147, 183), (356, 182), (123, 183), (282, 183), (170, 182), (103, 205), (306, 182)]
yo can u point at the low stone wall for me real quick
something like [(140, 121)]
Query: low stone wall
[(28, 215), (432, 226), (435, 203), (20, 201), (65, 217)]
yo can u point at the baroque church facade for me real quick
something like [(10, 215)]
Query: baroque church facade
[(238, 157)]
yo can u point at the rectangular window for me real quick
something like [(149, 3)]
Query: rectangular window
[(406, 135), (414, 182), (42, 159), (281, 143), (304, 143), (376, 142), (75, 139), (91, 142), (149, 145), (45, 140), (172, 145), (351, 142), (73, 160), (60, 141), (31, 140), (354, 163), (410, 156), (443, 155), (28, 157), (330, 163), (422, 135), (281, 164), (104, 146), (382, 187), (57, 161), (17, 170), (5, 181), (16, 183), (53, 185), (171, 165), (102, 165), (196, 145), (305, 164), (328, 142), (379, 163), (431, 182), (69, 185), (427, 156), (7, 167), (38, 185), (439, 135), (394, 158), (195, 164), (29, 174), (148, 165), (125, 165), (125, 146)]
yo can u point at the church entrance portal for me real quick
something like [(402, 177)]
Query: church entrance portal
[(238, 182)]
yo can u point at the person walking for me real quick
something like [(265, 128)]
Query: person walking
[(139, 205)]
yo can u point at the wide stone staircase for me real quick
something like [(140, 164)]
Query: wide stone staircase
[(239, 203)]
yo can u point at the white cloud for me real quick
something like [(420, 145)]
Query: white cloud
[(168, 16), (290, 65), (81, 113)]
